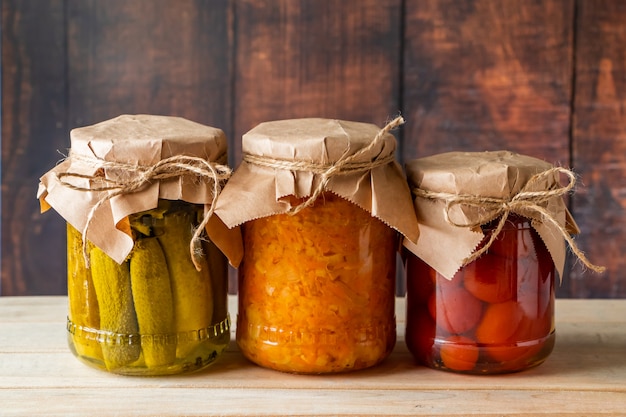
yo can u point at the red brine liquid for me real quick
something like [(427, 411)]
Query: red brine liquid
[(495, 315)]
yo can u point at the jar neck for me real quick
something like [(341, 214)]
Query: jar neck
[(513, 222)]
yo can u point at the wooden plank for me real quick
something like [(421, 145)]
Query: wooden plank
[(488, 75), (585, 375), (288, 402), (147, 56), (579, 362), (34, 129), (599, 146), (316, 59)]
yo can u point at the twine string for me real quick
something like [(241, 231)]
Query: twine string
[(343, 166), (139, 177), (525, 201)]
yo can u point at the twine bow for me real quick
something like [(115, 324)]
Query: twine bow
[(139, 177), (525, 201), (344, 165)]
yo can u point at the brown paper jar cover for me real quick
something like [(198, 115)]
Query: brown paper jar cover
[(495, 174), (260, 191), (141, 140)]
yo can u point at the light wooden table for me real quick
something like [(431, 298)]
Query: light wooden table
[(585, 375)]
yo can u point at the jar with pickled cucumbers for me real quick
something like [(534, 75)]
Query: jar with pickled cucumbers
[(481, 276), (317, 280), (147, 283)]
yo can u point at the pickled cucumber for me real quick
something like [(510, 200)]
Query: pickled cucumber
[(191, 289), (83, 304), (152, 295), (117, 314)]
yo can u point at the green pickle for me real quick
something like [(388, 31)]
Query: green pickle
[(189, 286), (84, 313), (154, 314), (154, 305), (117, 314)]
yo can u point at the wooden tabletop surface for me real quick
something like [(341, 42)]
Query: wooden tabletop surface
[(585, 375)]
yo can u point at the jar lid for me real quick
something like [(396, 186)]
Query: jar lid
[(125, 165), (300, 157), (457, 192)]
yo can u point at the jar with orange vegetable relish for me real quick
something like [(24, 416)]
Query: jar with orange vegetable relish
[(321, 206), (147, 292), (481, 277)]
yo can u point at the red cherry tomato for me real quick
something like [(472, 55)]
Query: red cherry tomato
[(454, 309), (491, 278), (520, 348), (459, 353), (499, 323)]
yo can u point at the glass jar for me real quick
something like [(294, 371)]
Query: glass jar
[(316, 289), (495, 315), (154, 314)]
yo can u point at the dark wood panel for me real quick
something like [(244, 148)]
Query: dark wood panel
[(469, 74), (150, 56), (488, 75), (33, 129), (335, 59), (599, 146)]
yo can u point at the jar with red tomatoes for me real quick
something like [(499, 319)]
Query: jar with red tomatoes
[(481, 277)]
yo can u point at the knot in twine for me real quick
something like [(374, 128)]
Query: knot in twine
[(525, 201), (140, 176), (343, 166)]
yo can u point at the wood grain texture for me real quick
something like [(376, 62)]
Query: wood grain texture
[(34, 128), (309, 58), (544, 77), (599, 146), (488, 75), (150, 56), (585, 375)]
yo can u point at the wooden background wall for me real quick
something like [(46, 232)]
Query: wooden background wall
[(542, 77)]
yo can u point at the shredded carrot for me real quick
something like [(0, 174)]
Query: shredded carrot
[(316, 290)]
